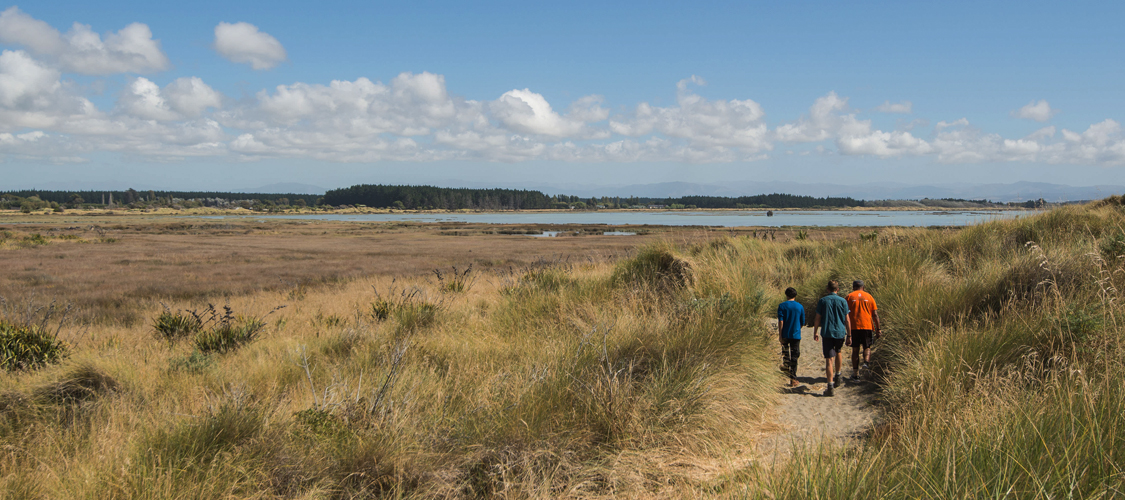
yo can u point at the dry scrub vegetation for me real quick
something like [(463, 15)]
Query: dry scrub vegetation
[(581, 377), (647, 375), (115, 269)]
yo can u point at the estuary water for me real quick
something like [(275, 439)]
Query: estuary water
[(739, 218)]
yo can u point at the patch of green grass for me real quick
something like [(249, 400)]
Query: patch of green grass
[(24, 347)]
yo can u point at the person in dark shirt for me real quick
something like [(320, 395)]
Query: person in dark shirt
[(790, 317), (832, 312)]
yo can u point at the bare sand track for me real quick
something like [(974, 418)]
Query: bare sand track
[(806, 416)]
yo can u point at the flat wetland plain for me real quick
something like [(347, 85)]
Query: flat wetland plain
[(110, 265)]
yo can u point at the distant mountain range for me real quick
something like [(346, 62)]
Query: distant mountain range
[(284, 187)]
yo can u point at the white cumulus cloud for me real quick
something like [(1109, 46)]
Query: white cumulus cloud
[(705, 125), (143, 99), (186, 97), (81, 50), (190, 97), (416, 117), (528, 112), (243, 43), (31, 95), (1039, 111)]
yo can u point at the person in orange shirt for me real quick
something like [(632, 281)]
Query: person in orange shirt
[(864, 316)]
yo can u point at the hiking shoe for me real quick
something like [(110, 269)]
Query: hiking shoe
[(828, 390), (836, 379), (855, 377), (865, 367)]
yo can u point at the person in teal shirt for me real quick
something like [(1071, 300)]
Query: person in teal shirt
[(790, 319), (832, 312)]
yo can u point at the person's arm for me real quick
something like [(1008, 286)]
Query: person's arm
[(875, 320), (780, 328), (848, 330), (815, 328)]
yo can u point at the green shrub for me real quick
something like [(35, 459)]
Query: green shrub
[(226, 332), (381, 309), (1113, 248), (408, 306), (27, 346), (173, 326), (416, 315), (33, 240), (229, 335)]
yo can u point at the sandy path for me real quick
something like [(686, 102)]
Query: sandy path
[(805, 415)]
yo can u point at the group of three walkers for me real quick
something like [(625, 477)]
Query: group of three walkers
[(846, 321)]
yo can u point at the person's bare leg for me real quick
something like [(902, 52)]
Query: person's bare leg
[(839, 362), (855, 360), (829, 374), (866, 355)]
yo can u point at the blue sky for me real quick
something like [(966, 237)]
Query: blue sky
[(576, 93)]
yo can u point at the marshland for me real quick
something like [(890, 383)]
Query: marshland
[(294, 359)]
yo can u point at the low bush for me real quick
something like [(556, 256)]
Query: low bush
[(222, 333), (173, 326), (24, 347), (457, 281), (408, 306), (229, 335)]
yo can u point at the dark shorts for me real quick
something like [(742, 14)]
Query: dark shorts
[(832, 347), (862, 338), (790, 352)]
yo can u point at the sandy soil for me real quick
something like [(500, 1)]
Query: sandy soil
[(806, 416)]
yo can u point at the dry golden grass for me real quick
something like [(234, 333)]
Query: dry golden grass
[(548, 377), (110, 271), (112, 267), (557, 380), (622, 372)]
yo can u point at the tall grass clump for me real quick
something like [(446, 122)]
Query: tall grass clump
[(28, 346), (410, 307), (1001, 366), (456, 281), (221, 333), (172, 326)]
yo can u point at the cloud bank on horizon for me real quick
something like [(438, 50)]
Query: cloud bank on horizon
[(46, 116)]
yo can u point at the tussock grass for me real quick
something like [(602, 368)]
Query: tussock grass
[(630, 378), (1002, 366), (648, 375), (28, 346)]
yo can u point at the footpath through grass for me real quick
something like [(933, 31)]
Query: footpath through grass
[(1002, 365), (648, 377)]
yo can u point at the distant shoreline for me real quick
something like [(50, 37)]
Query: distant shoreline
[(131, 212)]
